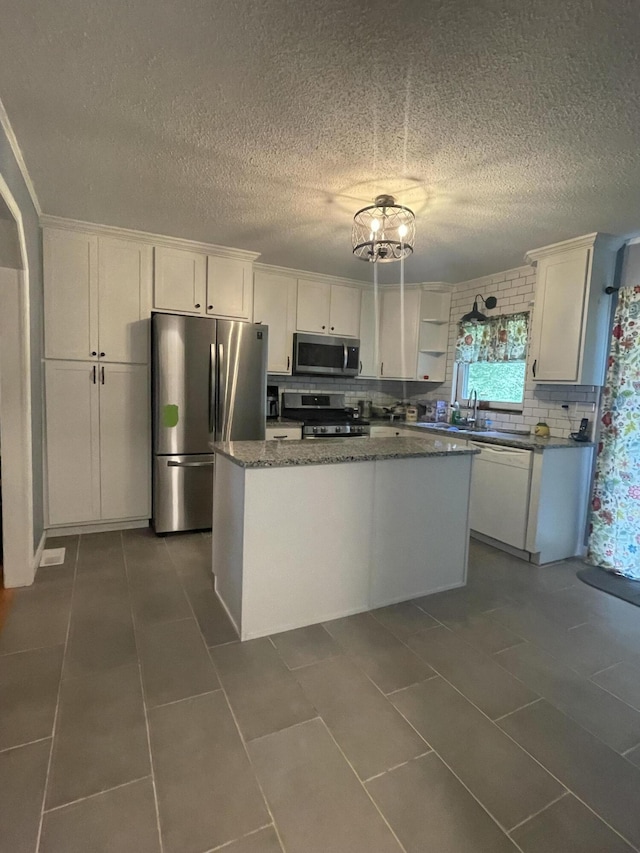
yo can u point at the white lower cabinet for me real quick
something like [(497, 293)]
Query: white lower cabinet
[(98, 442), (384, 431), (278, 432)]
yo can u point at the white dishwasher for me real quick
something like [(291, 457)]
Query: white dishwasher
[(500, 493)]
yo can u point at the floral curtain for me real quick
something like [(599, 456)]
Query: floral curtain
[(497, 339), (614, 542)]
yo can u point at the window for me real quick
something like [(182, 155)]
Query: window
[(499, 383)]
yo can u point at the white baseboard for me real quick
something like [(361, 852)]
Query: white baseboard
[(96, 527)]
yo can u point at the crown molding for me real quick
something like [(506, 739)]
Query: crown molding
[(48, 221), (586, 241), (17, 153), (351, 282)]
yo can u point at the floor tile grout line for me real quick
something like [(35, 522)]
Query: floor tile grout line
[(240, 838), (363, 786), (233, 717), (184, 699), (535, 814), (455, 775), (604, 669), (96, 794), (144, 700), (395, 766), (560, 782), (515, 710), (246, 751), (631, 749), (578, 675), (30, 649), (45, 790), (26, 743), (349, 656)]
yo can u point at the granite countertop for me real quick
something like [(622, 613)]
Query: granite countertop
[(276, 454), (505, 439), (274, 422)]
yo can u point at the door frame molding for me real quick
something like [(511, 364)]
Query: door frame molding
[(15, 414)]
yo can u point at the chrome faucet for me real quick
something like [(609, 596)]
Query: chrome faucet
[(473, 408)]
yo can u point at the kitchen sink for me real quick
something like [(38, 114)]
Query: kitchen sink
[(448, 428)]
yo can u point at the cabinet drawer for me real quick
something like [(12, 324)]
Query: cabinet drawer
[(273, 433)]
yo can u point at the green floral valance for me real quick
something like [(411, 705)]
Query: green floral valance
[(501, 338)]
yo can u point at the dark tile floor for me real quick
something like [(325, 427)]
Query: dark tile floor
[(499, 717)]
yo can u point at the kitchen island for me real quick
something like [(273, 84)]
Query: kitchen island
[(307, 531)]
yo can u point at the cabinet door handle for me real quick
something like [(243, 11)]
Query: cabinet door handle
[(324, 327), (94, 353), (280, 436), (209, 307), (94, 374), (102, 355), (533, 368), (382, 369), (360, 367), (102, 375), (333, 328), (288, 362), (197, 304)]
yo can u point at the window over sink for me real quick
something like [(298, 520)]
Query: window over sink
[(501, 384)]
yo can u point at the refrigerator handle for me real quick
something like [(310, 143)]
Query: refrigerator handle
[(221, 413), (212, 390)]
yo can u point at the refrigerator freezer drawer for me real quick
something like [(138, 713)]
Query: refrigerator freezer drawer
[(182, 492)]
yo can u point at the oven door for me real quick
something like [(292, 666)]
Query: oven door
[(325, 356)]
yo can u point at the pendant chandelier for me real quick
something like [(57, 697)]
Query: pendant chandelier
[(384, 231)]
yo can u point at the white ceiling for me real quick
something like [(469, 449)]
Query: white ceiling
[(264, 124)]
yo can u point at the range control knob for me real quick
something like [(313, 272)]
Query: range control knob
[(315, 430), (323, 429), (338, 429)]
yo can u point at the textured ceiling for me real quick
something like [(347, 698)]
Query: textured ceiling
[(264, 124)]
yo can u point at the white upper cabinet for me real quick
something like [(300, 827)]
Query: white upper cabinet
[(368, 355), (314, 305), (124, 300), (70, 294), (274, 305), (96, 296), (328, 309), (229, 287), (571, 316), (195, 283), (399, 334), (180, 281), (344, 316)]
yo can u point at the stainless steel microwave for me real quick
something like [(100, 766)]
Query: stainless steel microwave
[(326, 356)]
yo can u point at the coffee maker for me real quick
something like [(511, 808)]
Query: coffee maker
[(273, 402)]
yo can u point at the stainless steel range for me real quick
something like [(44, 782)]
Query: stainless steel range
[(323, 415)]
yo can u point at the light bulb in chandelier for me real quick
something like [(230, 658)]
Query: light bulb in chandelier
[(384, 231)]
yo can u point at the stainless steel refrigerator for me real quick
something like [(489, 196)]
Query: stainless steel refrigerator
[(209, 384)]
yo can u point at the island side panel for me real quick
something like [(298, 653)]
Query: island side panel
[(307, 545), (228, 535), (421, 527)]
